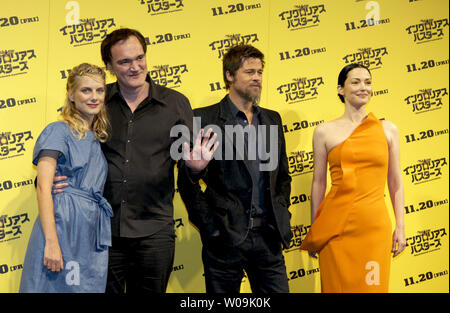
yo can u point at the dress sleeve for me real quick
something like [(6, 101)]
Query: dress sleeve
[(53, 137), (49, 153)]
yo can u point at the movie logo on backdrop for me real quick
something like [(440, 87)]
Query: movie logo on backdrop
[(15, 62), (300, 52), (11, 226), (9, 185), (15, 102), (5, 268), (302, 16), (15, 20), (427, 64), (216, 86), (424, 205), (165, 38), (13, 144), (369, 57), (234, 8), (426, 100), (156, 7), (380, 92), (223, 45), (300, 199), (426, 241), (427, 30), (168, 76), (419, 278), (361, 24), (372, 17), (425, 134), (300, 89), (300, 163), (178, 268), (300, 125), (425, 170), (178, 223), (301, 272), (87, 31)]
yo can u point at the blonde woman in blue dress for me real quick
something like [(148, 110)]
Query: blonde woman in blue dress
[(68, 246)]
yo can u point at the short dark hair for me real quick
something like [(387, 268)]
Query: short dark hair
[(343, 75), (233, 59), (117, 35)]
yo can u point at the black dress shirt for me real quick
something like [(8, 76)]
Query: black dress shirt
[(140, 183), (258, 178)]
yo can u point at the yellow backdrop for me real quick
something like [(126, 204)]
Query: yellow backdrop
[(306, 43)]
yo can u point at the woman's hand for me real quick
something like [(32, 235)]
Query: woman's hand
[(398, 241), (52, 257)]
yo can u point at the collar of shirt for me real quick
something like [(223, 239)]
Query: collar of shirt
[(154, 92), (238, 114)]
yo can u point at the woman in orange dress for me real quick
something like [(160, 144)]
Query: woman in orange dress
[(350, 227)]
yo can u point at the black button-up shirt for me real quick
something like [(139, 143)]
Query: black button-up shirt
[(140, 183), (258, 177)]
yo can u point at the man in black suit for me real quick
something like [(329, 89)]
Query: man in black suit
[(242, 215)]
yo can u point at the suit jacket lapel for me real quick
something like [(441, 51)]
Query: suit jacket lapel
[(267, 121)]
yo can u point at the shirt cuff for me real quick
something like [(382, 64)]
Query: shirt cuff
[(195, 177)]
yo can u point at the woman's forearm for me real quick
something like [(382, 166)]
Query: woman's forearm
[(46, 170)]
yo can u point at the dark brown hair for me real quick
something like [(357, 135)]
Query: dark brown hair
[(233, 59), (117, 35)]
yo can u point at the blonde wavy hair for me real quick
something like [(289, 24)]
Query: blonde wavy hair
[(72, 116)]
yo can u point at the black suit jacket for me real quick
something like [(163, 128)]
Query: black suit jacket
[(224, 207)]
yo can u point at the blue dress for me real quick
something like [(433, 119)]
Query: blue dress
[(82, 217)]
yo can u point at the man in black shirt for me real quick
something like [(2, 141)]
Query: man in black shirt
[(140, 182)]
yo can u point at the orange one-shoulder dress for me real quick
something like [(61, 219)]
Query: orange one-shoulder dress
[(352, 230)]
